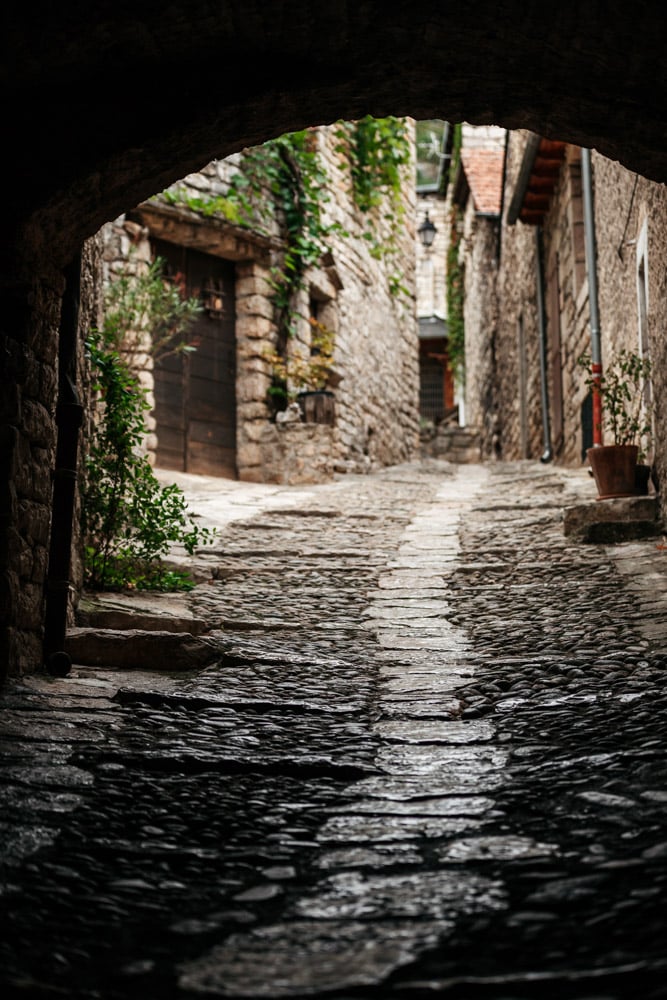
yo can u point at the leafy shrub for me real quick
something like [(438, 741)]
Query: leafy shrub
[(142, 301), (129, 519)]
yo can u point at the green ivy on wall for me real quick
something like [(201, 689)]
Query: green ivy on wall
[(289, 171), (455, 298), (292, 169), (283, 181), (378, 151), (457, 135)]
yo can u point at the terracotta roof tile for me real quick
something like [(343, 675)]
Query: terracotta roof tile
[(484, 172)]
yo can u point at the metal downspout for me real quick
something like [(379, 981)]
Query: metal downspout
[(591, 270), (69, 417), (547, 454)]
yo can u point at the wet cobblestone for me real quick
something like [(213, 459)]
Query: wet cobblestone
[(430, 761)]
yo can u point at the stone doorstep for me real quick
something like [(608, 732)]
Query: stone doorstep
[(133, 649), (149, 612), (619, 520)]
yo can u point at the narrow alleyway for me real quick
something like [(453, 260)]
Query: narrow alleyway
[(429, 759)]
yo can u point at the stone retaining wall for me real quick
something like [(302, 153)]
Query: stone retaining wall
[(294, 454)]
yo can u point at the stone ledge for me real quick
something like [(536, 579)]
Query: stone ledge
[(607, 521), (135, 649), (146, 611)]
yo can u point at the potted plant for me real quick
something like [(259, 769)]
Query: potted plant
[(626, 414), (308, 378)]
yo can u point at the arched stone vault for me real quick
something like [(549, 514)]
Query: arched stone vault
[(106, 103)]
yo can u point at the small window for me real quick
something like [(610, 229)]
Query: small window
[(433, 137)]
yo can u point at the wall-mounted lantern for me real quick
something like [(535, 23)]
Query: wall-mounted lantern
[(213, 299), (427, 232)]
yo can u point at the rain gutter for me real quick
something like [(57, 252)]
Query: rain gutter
[(547, 454), (591, 270)]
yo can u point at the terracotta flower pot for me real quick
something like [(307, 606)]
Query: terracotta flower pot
[(614, 468)]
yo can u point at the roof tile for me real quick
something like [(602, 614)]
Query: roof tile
[(484, 172)]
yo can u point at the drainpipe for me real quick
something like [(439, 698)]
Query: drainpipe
[(547, 454), (591, 270), (69, 417)]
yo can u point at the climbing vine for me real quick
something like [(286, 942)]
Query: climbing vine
[(455, 325), (457, 136), (289, 169), (378, 151), (129, 518)]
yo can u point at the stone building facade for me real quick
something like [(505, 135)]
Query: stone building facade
[(228, 426), (466, 212), (476, 194), (542, 326)]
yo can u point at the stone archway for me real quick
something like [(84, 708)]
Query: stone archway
[(106, 104)]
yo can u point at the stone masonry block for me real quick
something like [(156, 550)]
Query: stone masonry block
[(608, 521)]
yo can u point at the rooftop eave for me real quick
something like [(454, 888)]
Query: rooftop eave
[(538, 176)]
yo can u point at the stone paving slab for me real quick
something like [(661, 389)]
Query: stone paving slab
[(428, 759)]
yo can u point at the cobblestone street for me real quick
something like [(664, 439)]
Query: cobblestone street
[(427, 757)]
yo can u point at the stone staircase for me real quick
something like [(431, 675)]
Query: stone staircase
[(453, 443)]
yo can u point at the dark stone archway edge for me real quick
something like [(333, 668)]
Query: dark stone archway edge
[(107, 103)]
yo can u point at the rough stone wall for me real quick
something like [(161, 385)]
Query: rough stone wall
[(480, 243), (255, 333), (563, 242), (29, 360), (518, 321), (29, 349), (628, 209), (631, 227), (377, 401), (126, 250), (90, 316), (295, 454)]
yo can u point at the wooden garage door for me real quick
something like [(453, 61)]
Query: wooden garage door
[(195, 404)]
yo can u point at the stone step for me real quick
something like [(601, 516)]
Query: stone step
[(621, 519)]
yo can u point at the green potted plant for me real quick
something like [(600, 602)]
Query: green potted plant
[(626, 414), (308, 378)]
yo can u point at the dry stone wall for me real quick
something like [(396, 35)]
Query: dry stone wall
[(631, 222), (563, 253), (377, 349), (480, 235), (518, 339)]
